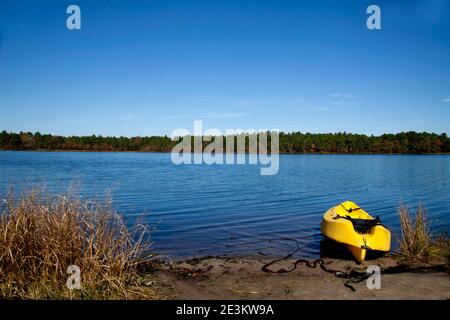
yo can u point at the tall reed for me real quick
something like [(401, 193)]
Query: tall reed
[(416, 241), (42, 235)]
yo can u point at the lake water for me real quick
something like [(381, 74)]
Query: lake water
[(231, 209)]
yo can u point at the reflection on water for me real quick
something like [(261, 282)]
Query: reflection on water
[(232, 209)]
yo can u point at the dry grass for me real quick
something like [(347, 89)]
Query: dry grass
[(416, 241), (41, 236)]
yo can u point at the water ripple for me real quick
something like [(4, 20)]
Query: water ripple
[(216, 209)]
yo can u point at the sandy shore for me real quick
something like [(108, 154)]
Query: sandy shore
[(242, 278)]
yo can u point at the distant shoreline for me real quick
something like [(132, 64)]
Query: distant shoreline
[(284, 143), (283, 153)]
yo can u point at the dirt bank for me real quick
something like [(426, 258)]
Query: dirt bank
[(242, 278)]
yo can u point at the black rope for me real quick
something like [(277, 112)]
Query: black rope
[(353, 276)]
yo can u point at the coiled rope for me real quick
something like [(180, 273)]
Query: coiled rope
[(354, 275)]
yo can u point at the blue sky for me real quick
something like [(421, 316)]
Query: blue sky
[(149, 67)]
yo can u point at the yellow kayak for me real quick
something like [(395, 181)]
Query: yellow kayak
[(349, 224)]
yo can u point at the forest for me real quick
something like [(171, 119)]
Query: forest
[(294, 142)]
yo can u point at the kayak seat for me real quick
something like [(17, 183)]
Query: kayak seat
[(362, 225)]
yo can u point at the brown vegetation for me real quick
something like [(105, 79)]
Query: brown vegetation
[(417, 242), (41, 236)]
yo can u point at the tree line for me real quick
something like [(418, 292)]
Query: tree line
[(294, 142)]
